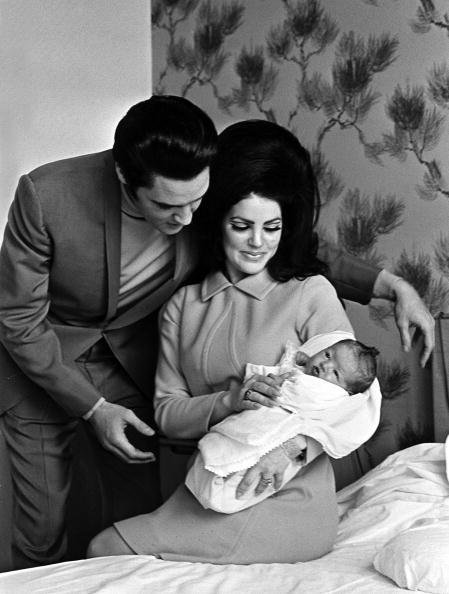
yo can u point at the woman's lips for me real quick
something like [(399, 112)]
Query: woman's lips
[(253, 255)]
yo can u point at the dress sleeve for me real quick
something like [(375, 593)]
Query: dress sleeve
[(25, 263), (178, 413), (352, 277), (320, 310)]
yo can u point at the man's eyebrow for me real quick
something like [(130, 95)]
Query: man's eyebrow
[(168, 205)]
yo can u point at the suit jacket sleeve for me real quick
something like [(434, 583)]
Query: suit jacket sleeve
[(352, 277), (25, 262)]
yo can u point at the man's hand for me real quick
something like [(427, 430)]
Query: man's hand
[(409, 310), (109, 422)]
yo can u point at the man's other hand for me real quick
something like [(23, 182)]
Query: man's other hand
[(109, 422)]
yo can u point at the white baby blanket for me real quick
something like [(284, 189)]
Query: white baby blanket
[(310, 406)]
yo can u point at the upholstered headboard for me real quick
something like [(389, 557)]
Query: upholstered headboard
[(440, 378)]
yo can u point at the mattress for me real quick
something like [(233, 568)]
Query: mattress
[(408, 486)]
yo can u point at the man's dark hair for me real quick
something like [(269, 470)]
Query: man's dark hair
[(265, 158), (366, 356), (164, 135)]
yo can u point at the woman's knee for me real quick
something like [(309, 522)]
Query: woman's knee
[(107, 543)]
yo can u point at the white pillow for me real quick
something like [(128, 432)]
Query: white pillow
[(418, 558)]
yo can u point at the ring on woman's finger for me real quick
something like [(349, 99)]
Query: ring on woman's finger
[(266, 480), (247, 394)]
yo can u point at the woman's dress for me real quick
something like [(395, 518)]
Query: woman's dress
[(208, 333)]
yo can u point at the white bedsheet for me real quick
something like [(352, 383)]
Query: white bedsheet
[(408, 485)]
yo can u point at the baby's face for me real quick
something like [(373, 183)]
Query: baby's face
[(338, 365)]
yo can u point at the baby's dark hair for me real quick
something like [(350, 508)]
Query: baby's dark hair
[(367, 365)]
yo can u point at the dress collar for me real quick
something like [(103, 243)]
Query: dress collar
[(256, 285)]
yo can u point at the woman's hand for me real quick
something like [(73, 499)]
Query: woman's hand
[(270, 468), (257, 391), (268, 471)]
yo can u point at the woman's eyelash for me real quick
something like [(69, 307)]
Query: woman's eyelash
[(240, 227)]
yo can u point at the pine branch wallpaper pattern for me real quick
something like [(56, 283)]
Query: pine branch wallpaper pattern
[(364, 84)]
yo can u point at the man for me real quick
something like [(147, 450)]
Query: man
[(86, 262), (93, 247)]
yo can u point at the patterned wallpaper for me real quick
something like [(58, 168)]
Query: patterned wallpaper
[(364, 84)]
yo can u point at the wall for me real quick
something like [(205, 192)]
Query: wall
[(365, 86), (69, 71)]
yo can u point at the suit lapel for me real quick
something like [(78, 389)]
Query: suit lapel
[(112, 207)]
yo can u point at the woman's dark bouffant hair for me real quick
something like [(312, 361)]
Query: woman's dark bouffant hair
[(265, 158)]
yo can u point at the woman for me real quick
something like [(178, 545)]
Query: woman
[(262, 288)]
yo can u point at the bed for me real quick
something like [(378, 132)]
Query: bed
[(397, 516)]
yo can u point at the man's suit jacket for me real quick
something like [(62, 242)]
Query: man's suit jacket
[(59, 282)]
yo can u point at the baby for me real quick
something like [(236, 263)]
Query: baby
[(348, 364), (340, 417)]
